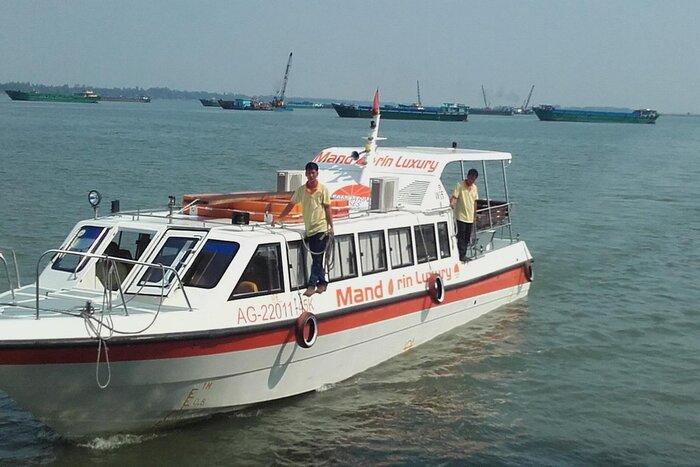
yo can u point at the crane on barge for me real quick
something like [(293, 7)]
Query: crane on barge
[(522, 110), (278, 101), (483, 93)]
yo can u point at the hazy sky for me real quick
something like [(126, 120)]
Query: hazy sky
[(626, 53)]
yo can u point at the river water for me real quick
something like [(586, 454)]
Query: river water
[(599, 365)]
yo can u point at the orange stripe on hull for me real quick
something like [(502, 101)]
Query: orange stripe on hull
[(201, 346)]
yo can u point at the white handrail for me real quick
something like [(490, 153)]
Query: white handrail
[(115, 259)]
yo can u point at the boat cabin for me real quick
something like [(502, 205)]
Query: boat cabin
[(391, 214)]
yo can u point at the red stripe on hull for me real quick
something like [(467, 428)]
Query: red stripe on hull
[(201, 346)]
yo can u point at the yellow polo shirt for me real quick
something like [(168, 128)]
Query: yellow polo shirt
[(313, 207), (466, 196)]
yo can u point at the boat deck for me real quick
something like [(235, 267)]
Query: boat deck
[(74, 302)]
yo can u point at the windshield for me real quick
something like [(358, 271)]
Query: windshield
[(174, 253), (83, 242)]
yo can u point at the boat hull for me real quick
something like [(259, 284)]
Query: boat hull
[(153, 384), (503, 111), (42, 97), (142, 99), (592, 116), (210, 102), (352, 111), (243, 104)]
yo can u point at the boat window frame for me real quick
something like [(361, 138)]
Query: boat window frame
[(444, 242), (139, 251), (82, 260), (303, 258), (339, 259), (402, 249), (220, 271), (259, 293), (427, 258), (118, 249), (382, 253), (181, 265)]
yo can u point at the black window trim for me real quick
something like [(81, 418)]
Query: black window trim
[(283, 285), (415, 234), (353, 242), (186, 274), (447, 243), (410, 235), (386, 261)]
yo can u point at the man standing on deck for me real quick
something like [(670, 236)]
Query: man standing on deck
[(318, 222), (464, 197)]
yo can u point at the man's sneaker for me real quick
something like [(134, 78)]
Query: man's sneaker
[(310, 291), (321, 288)]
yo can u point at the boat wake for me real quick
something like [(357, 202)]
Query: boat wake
[(110, 443), (325, 387)]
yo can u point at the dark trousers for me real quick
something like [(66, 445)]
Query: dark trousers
[(317, 245), (464, 237)]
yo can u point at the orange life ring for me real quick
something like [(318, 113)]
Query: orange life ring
[(436, 288), (306, 330)]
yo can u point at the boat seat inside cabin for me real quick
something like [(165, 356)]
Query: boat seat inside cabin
[(245, 287), (118, 270)]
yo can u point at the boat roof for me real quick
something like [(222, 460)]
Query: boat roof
[(404, 160), (348, 172)]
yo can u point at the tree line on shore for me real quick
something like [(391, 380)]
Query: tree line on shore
[(153, 93)]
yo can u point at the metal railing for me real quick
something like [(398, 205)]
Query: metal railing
[(109, 260), (7, 271), (494, 216)]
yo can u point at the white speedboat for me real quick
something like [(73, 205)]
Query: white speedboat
[(145, 319)]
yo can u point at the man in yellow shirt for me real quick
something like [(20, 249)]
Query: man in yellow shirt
[(318, 223), (464, 198)]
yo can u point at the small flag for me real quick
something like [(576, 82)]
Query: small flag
[(375, 103)]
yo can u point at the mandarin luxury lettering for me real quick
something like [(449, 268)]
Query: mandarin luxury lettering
[(399, 162), (384, 161), (352, 296), (422, 277), (330, 158), (418, 164)]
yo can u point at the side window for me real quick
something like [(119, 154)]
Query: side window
[(444, 237), (400, 247), (426, 247), (174, 254), (298, 269), (372, 252), (344, 258), (83, 242), (210, 264), (263, 275)]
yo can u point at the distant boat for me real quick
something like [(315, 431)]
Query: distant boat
[(446, 113), (84, 97), (277, 102), (141, 99), (245, 104), (550, 113), (305, 105), (210, 102), (488, 110), (492, 111)]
